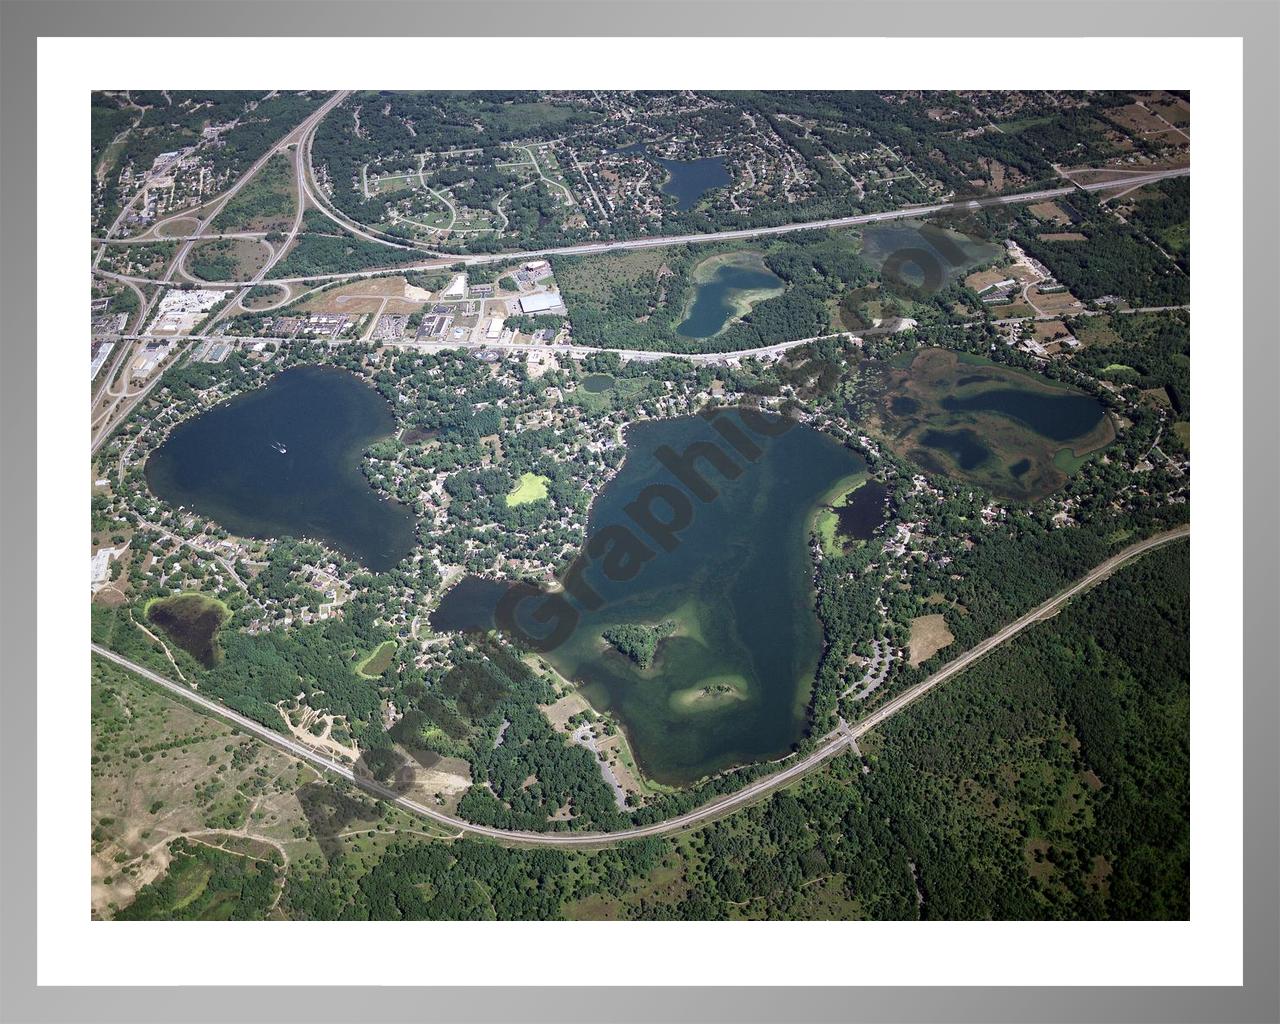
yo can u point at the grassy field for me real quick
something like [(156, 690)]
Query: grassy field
[(531, 487), (164, 772), (227, 259), (379, 661), (161, 770), (929, 635), (267, 203)]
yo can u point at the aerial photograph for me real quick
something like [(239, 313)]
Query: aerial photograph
[(648, 505)]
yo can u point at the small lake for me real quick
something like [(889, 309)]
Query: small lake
[(687, 180), (1060, 417), (597, 383), (962, 445), (862, 512), (925, 255), (732, 685), (729, 292), (226, 464), (192, 622)]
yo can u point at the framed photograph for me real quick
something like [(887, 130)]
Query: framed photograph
[(590, 522)]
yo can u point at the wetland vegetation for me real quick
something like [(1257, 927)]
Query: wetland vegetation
[(192, 622), (1016, 434)]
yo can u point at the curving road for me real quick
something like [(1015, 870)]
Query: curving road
[(588, 248), (835, 742)]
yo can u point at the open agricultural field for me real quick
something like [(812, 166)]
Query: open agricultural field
[(1050, 211)]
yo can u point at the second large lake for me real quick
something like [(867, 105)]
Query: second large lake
[(732, 684), (228, 464)]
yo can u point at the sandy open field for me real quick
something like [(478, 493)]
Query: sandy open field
[(929, 635), (1049, 211)]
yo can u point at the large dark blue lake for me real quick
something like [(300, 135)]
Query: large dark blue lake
[(226, 465), (732, 684)]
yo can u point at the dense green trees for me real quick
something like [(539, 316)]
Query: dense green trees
[(206, 884), (1116, 260), (638, 642), (342, 253), (1049, 781)]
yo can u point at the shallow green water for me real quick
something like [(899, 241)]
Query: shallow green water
[(713, 304), (738, 585), (225, 464), (597, 383), (192, 622)]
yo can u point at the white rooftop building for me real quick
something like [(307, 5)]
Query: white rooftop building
[(100, 567), (540, 302)]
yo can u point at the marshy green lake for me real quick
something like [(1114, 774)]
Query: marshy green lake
[(725, 288), (921, 254), (192, 622), (1013, 432)]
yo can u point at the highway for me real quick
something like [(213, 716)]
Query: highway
[(125, 402), (835, 742), (589, 248)]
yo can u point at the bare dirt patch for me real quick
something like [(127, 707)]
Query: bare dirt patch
[(986, 278), (324, 741), (1055, 303), (559, 713), (1050, 330), (367, 297), (1140, 120), (1049, 211), (929, 635), (1063, 236)]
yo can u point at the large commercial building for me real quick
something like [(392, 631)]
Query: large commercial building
[(540, 303)]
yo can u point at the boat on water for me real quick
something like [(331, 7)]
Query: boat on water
[(279, 447)]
